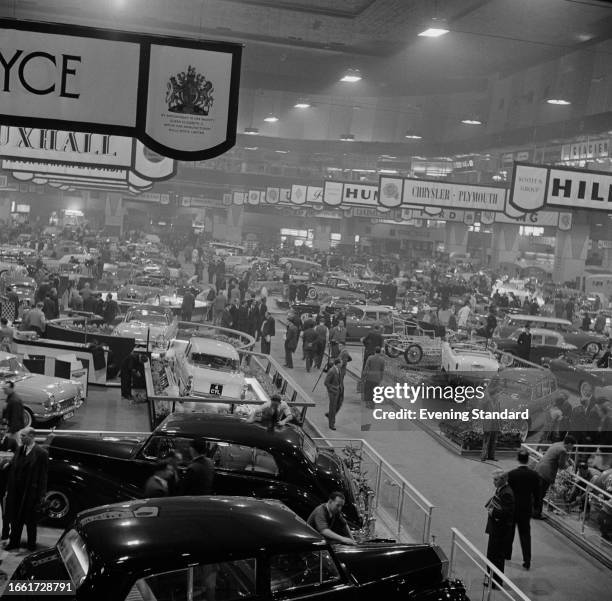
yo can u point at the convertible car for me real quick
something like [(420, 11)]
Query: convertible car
[(468, 362), (86, 471), (576, 372), (45, 398), (229, 548), (151, 326)]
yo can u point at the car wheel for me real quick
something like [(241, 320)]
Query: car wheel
[(506, 360), (592, 348), (585, 389), (60, 507), (312, 293), (28, 418), (413, 354), (391, 350)]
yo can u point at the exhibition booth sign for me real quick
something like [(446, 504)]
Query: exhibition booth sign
[(178, 96)]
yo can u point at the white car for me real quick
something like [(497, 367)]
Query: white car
[(209, 368), (468, 362), (154, 327)]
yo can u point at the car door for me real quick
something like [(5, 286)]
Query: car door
[(354, 327), (551, 346)]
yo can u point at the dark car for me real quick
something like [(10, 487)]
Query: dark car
[(86, 471), (545, 344), (577, 372), (228, 548)]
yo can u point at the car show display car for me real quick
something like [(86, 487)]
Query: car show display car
[(579, 373), (142, 287), (45, 398), (545, 344), (225, 549), (361, 319), (334, 287), (90, 470), (464, 362), (150, 326)]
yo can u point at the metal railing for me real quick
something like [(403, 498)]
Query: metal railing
[(399, 505), (600, 455), (580, 506), (478, 574)]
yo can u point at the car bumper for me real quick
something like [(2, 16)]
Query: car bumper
[(47, 416)]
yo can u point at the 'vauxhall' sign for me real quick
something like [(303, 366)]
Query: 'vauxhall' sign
[(537, 186), (179, 97)]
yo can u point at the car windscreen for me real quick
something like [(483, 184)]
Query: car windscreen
[(147, 317), (74, 554), (214, 361), (12, 365)]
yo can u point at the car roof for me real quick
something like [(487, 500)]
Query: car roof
[(229, 428), (543, 332), (384, 308), (538, 319), (213, 347), (165, 531)]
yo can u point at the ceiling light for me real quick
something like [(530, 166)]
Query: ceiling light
[(251, 131), (471, 121), (558, 101), (282, 151), (388, 171), (251, 147), (351, 76), (435, 29), (411, 135), (347, 137), (271, 118), (302, 104)]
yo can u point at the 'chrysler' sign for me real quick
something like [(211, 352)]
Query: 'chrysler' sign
[(177, 96)]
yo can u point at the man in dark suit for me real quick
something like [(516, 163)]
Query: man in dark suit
[(268, 329), (13, 411), (291, 341), (525, 485), (158, 484), (332, 383), (500, 521), (372, 375), (523, 343), (200, 473), (556, 458), (7, 445), (27, 487)]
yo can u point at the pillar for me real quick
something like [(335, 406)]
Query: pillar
[(570, 253), (456, 237), (229, 229), (505, 244), (322, 236), (114, 211)]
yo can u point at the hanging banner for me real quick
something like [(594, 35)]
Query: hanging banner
[(177, 96), (395, 192), (536, 186)]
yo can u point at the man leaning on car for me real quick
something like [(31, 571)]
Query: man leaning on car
[(327, 519)]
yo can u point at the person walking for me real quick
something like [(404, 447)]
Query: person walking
[(268, 329), (556, 458), (490, 427), (26, 490), (187, 305), (337, 335), (200, 474), (525, 485), (372, 376), (310, 341), (291, 341), (345, 358), (218, 306), (13, 411), (322, 333), (332, 383), (500, 509), (7, 445), (371, 342)]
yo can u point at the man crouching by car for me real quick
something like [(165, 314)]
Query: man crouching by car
[(327, 519)]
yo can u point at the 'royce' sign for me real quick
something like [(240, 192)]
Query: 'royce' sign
[(177, 96)]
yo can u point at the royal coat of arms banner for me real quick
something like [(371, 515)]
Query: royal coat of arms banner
[(179, 97)]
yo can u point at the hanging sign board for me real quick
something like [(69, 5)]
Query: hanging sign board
[(538, 186), (177, 96)]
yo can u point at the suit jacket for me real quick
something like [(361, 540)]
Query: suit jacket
[(554, 459), (13, 413), (154, 488), (291, 339), (268, 327), (332, 380), (27, 484), (501, 516), (374, 368), (525, 485), (199, 477), (9, 444)]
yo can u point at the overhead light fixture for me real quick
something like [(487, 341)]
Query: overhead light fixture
[(388, 171), (411, 135), (302, 104), (347, 137), (435, 29), (251, 147), (558, 101), (471, 121), (282, 151), (271, 118), (251, 131), (351, 76)]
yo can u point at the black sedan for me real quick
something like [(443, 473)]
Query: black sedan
[(228, 548), (545, 344), (87, 471)]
